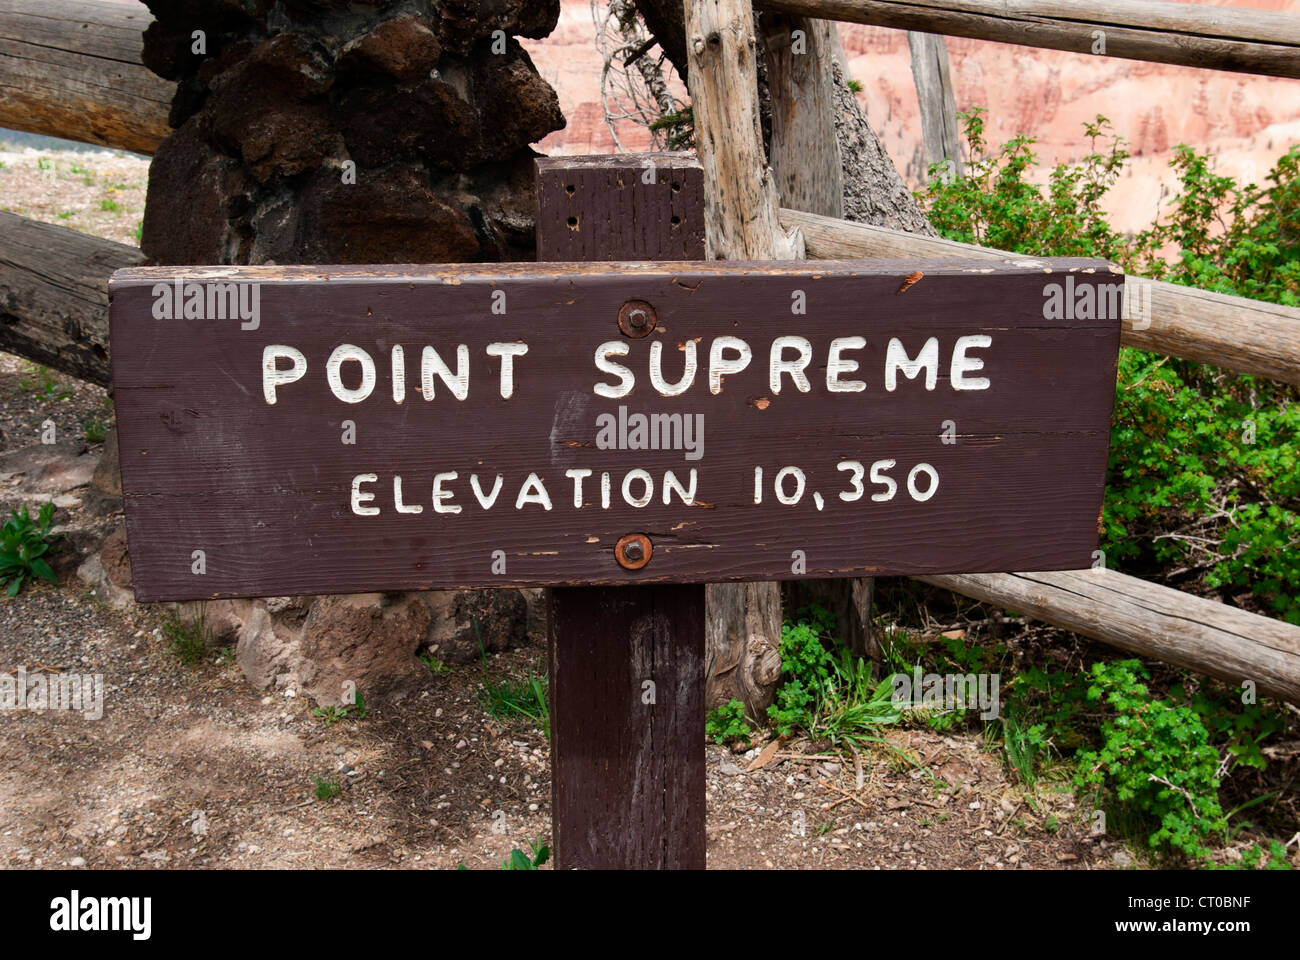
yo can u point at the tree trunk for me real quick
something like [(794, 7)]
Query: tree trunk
[(803, 147), (71, 68), (940, 136), (742, 657), (54, 295), (803, 89)]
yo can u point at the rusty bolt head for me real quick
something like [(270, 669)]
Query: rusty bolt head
[(636, 318), (633, 551)]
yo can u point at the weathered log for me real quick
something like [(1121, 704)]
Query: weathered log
[(803, 151), (742, 658), (740, 195), (940, 136), (71, 69), (1234, 333), (1149, 620), (1216, 38), (54, 295), (811, 106)]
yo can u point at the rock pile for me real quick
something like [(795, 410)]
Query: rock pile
[(317, 131)]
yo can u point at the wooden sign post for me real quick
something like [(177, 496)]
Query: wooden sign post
[(297, 430), (626, 663)]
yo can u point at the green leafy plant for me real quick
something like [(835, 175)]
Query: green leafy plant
[(326, 789), (727, 724), (1155, 759), (24, 544), (356, 710), (1274, 858), (435, 665), (519, 860), (44, 383), (95, 428), (110, 205), (829, 696), (189, 640), (678, 127), (43, 163)]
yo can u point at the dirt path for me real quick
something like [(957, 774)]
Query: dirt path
[(191, 767)]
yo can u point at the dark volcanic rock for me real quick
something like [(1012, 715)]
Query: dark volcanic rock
[(404, 48), (392, 216), (315, 131), (188, 174)]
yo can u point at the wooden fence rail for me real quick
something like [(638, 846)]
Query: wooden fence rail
[(54, 295), (1235, 333), (1218, 38), (1151, 621), (71, 68)]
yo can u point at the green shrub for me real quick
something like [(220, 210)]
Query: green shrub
[(1156, 760), (189, 640), (23, 546), (1204, 471), (829, 696), (727, 724)]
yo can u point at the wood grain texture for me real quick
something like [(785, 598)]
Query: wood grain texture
[(54, 295), (1212, 37), (71, 69), (603, 208), (740, 198), (1151, 621), (265, 490), (1235, 333), (804, 151), (627, 785), (940, 129), (628, 778)]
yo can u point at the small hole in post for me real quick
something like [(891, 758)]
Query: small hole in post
[(573, 223), (676, 186), (676, 220), (569, 189)]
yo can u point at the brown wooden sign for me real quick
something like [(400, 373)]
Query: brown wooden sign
[(295, 430)]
